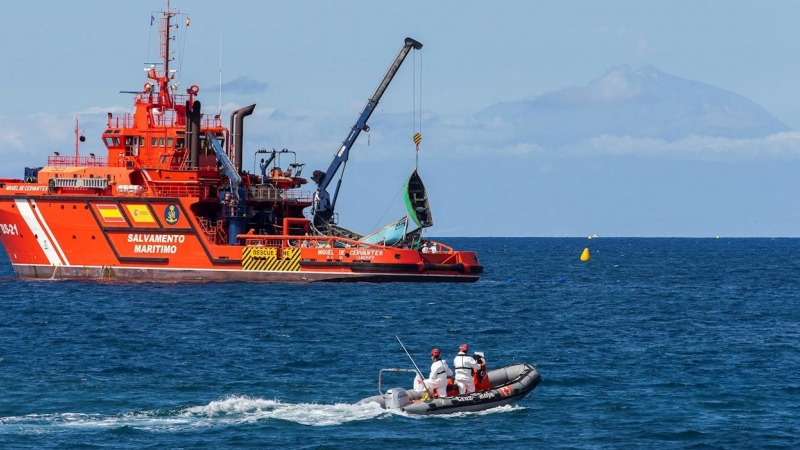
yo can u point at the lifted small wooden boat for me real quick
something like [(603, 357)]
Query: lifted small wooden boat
[(508, 384)]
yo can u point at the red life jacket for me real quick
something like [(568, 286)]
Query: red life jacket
[(481, 378)]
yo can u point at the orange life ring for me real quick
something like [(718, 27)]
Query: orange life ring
[(148, 86), (194, 89)]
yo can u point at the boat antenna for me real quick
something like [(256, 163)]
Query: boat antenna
[(415, 366), (76, 140), (220, 72)]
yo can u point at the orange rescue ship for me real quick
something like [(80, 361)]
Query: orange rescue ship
[(171, 202)]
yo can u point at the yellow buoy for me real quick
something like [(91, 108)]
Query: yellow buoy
[(585, 255)]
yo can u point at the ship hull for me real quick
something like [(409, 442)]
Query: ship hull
[(182, 275), (159, 240)]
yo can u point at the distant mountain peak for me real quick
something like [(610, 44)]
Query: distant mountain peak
[(648, 70), (616, 84), (641, 103)]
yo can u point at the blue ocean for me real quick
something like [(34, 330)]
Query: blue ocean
[(653, 343)]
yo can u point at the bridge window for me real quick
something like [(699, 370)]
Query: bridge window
[(111, 141)]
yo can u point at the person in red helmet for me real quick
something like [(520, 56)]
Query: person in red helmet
[(465, 366), (437, 380)]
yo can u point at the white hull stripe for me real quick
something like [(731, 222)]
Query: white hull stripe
[(50, 233), (41, 238)]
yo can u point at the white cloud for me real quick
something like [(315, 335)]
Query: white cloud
[(316, 134), (10, 137), (102, 110), (785, 145)]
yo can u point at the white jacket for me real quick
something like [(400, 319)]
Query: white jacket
[(439, 373), (464, 365)]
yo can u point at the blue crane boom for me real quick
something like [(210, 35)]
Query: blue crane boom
[(323, 206), (226, 165)]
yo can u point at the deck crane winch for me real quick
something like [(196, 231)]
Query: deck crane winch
[(322, 209)]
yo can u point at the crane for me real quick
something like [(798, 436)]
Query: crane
[(323, 206)]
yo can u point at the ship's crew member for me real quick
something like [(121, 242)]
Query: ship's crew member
[(273, 219), (263, 167), (437, 380), (481, 376), (465, 365), (425, 248), (434, 248)]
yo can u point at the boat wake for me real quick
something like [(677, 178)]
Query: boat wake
[(232, 410)]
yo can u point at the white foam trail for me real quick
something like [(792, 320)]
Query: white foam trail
[(246, 409), (232, 410), (228, 411)]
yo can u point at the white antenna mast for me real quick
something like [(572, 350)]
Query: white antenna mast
[(220, 72)]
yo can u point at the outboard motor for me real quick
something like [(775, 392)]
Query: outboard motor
[(395, 398)]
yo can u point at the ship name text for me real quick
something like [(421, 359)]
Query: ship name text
[(361, 253), (141, 248), (157, 238), (26, 187), (9, 228), (156, 243)]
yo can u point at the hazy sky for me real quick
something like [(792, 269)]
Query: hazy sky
[(320, 61)]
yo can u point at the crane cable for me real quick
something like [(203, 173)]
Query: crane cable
[(417, 124), (417, 129)]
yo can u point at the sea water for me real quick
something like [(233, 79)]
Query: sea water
[(653, 343)]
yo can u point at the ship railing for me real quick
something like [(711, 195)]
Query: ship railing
[(215, 233), (161, 118), (76, 161), (284, 241), (441, 248), (269, 192), (180, 191), (153, 165)]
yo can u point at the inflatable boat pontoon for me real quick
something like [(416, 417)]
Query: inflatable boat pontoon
[(508, 384)]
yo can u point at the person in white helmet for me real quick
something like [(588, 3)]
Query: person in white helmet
[(437, 380), (465, 366)]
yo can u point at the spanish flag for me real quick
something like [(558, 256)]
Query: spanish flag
[(110, 213)]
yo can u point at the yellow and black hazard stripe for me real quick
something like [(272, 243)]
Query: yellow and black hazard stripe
[(255, 258)]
